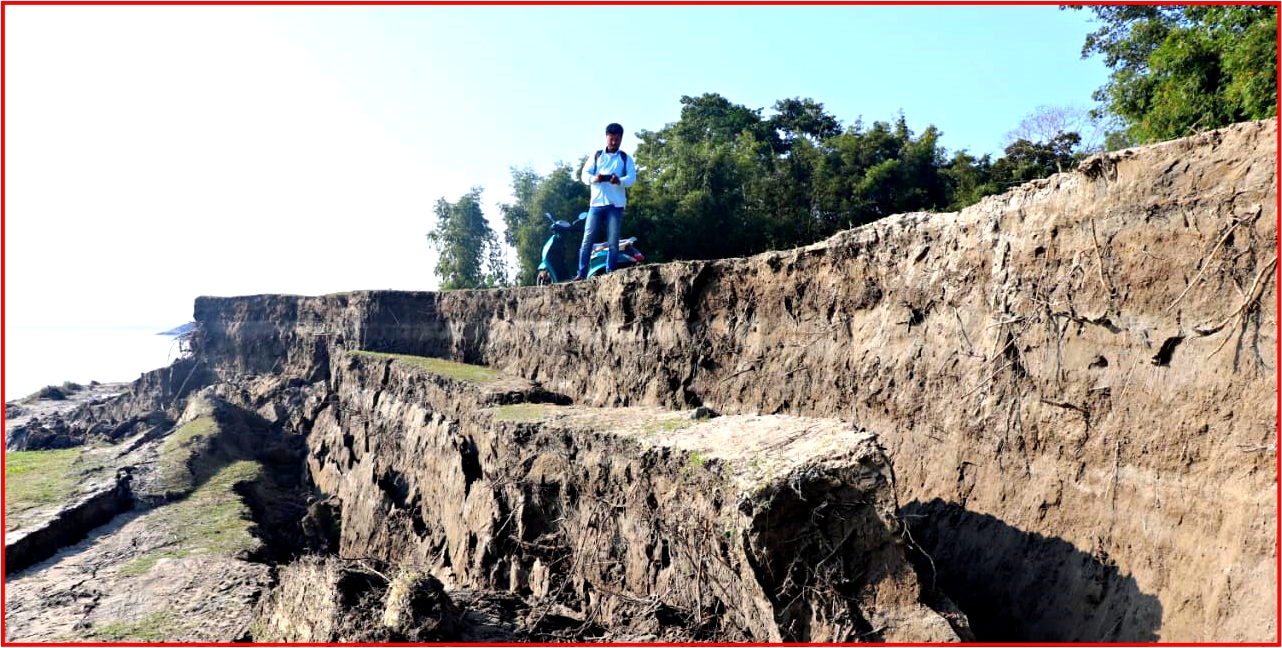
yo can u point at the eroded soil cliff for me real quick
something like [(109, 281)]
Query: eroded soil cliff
[(1059, 405)]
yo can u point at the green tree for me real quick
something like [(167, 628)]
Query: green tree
[(797, 117), (561, 194), (520, 227), (968, 179), (1025, 160), (1179, 69), (469, 252), (724, 181), (874, 173), (712, 117), (497, 274), (698, 191)]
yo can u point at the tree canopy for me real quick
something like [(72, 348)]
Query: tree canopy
[(560, 194), (725, 181), (469, 251), (1179, 69)]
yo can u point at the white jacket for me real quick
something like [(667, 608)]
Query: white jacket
[(604, 193)]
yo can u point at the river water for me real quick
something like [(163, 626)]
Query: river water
[(50, 355)]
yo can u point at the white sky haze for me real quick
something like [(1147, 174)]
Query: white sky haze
[(157, 153)]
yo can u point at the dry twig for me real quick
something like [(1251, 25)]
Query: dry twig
[(1066, 405), (963, 331), (1206, 262), (1099, 258), (1257, 288), (986, 380), (1260, 448)]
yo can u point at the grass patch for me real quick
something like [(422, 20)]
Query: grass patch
[(213, 519), (667, 425), (49, 392), (761, 472), (53, 392), (155, 627), (173, 475), (144, 564), (216, 518), (448, 368), (37, 478), (694, 461), (523, 412)]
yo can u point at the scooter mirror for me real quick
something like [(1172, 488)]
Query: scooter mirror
[(583, 216)]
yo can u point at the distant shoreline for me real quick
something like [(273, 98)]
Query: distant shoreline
[(123, 327), (38, 356)]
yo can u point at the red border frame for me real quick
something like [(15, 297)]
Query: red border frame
[(1277, 292), (1277, 267), (983, 3)]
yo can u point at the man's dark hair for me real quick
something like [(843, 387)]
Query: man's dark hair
[(614, 129)]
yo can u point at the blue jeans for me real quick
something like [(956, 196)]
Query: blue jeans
[(591, 228)]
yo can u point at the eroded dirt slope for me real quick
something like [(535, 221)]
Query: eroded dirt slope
[(750, 528), (1076, 380)]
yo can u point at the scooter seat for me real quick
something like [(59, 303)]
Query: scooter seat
[(624, 244)]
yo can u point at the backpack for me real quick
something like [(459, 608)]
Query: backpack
[(597, 157)]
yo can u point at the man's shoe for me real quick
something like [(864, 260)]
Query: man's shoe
[(578, 279)]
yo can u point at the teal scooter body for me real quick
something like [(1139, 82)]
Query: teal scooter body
[(552, 264)]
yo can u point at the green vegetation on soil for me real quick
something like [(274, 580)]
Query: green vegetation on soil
[(145, 563), (173, 474), (666, 425), (448, 368), (155, 627), (38, 478), (53, 392), (213, 519), (523, 412)]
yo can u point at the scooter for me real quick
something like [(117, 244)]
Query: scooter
[(552, 266)]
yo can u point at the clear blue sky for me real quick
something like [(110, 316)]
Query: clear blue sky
[(154, 154)]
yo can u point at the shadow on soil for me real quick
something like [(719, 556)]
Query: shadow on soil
[(1017, 586), (277, 499)]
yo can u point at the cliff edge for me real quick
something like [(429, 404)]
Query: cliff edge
[(1048, 417)]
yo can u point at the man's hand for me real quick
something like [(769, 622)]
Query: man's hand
[(614, 179)]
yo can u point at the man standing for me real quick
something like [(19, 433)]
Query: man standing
[(609, 173)]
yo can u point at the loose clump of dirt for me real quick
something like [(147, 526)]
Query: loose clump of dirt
[(326, 600)]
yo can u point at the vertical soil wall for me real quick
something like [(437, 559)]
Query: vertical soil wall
[(1076, 380)]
